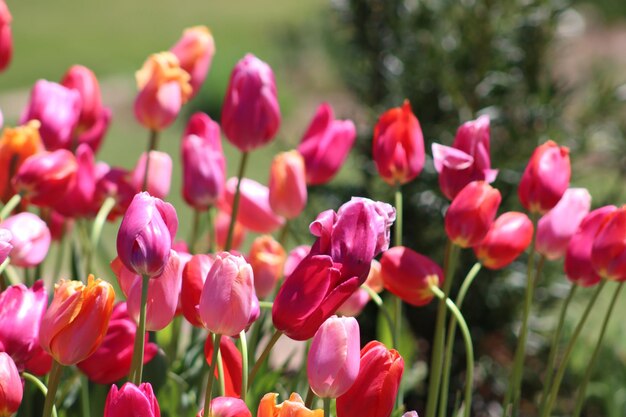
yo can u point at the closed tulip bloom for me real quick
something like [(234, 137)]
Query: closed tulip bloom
[(203, 162), (232, 361), (30, 241), (163, 89), (374, 392), (6, 36), (325, 145), (132, 400), (608, 253), (509, 236), (16, 145), (398, 147), (556, 227), (358, 300), (220, 233), (293, 407), (227, 407), (472, 213), (410, 414), (21, 309), (195, 51), (226, 300), (287, 184), (111, 361), (333, 360), (5, 244), (409, 275), (113, 182), (194, 275), (295, 256), (146, 234), (250, 114), (267, 258), (159, 174), (76, 321), (545, 178), (11, 387), (79, 199)]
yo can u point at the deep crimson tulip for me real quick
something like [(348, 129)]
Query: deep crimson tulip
[(11, 387), (250, 114), (398, 146), (30, 238), (194, 275), (227, 407), (374, 392), (132, 400), (267, 258), (409, 275), (6, 37), (293, 407), (195, 50), (159, 174), (471, 213), (79, 199), (16, 145), (608, 253), (325, 145), (509, 236), (287, 184), (545, 178), (295, 256), (233, 364)]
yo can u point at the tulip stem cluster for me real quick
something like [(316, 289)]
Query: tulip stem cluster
[(54, 377), (136, 368), (209, 385), (40, 386), (233, 215)]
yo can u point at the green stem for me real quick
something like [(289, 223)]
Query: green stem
[(40, 386), (136, 368), (58, 262), (220, 375), (96, 229), (11, 274), (266, 304), (152, 144), (54, 377), (284, 234), (467, 338), (397, 308), (10, 206), (450, 337), (244, 357), (212, 236), (310, 395), (4, 264), (583, 386), (568, 351), (263, 357), (379, 302), (235, 208), (195, 231), (326, 407), (84, 396), (209, 385)]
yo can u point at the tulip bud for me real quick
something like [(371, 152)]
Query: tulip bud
[(132, 400), (267, 258), (226, 301), (250, 114), (145, 236), (203, 162), (163, 89), (6, 37), (509, 236), (608, 253), (76, 321), (287, 185), (79, 199), (471, 213), (11, 387), (232, 364), (195, 51), (294, 406), (358, 300), (545, 178), (31, 239), (227, 407), (409, 275), (374, 392), (556, 227), (194, 275), (16, 145), (296, 256), (325, 145), (333, 360), (398, 146), (159, 174)]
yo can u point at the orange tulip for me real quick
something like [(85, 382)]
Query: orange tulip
[(293, 407), (77, 320), (16, 145)]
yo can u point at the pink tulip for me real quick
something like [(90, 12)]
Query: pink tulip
[(79, 199), (203, 162), (227, 407), (358, 300), (6, 37), (325, 145), (608, 253), (287, 184), (333, 360), (5, 244), (194, 275), (250, 114), (509, 236), (226, 301), (556, 228), (11, 387), (296, 256), (159, 174), (145, 236), (266, 258), (40, 362), (31, 239), (195, 52), (221, 225), (410, 414), (131, 400)]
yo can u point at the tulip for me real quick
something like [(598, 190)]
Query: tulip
[(509, 236), (6, 38), (195, 51), (194, 275), (232, 361), (76, 321), (58, 109), (556, 228), (227, 407), (608, 253), (11, 387), (111, 361), (296, 256), (132, 400), (373, 394), (145, 236), (16, 145), (250, 114), (159, 174), (323, 135), (221, 225), (79, 199), (45, 178), (333, 360), (410, 414), (398, 146), (287, 185), (203, 162), (113, 182), (471, 213), (578, 267), (467, 160), (93, 136), (21, 310), (356, 302), (40, 362), (293, 407), (31, 239), (410, 275), (545, 178), (5, 244), (267, 258), (163, 89)]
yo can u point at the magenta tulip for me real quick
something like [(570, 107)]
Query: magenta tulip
[(31, 239), (358, 300), (11, 387), (227, 407), (6, 37), (159, 174), (131, 400), (113, 182), (79, 199)]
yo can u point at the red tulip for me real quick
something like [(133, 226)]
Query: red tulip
[(131, 400), (11, 387), (507, 238), (233, 364), (608, 254), (194, 275), (296, 256)]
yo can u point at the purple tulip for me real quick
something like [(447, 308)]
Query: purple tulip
[(31, 239)]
